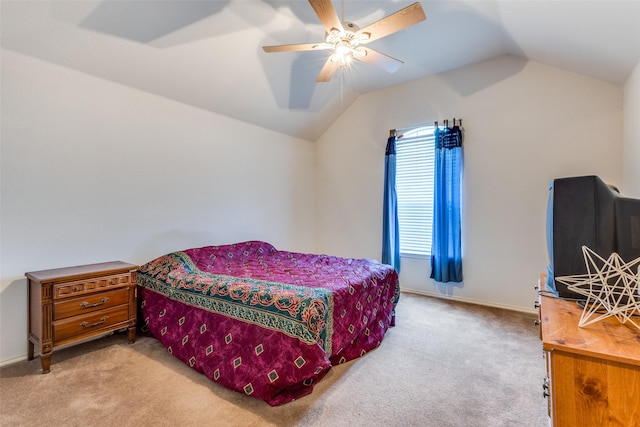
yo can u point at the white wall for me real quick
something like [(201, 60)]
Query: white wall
[(93, 171), (631, 162), (526, 123)]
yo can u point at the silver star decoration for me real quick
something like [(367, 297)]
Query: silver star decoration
[(611, 286)]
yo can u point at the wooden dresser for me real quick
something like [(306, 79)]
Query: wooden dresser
[(593, 373), (68, 305)]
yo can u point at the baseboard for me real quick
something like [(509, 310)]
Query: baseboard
[(469, 301), (12, 361), (36, 353)]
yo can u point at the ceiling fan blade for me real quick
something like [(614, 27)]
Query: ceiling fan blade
[(400, 20), (327, 14), (296, 47), (380, 60), (328, 70)]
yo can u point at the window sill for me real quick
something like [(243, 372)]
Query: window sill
[(418, 256)]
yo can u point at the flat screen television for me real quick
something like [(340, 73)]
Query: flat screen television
[(585, 211)]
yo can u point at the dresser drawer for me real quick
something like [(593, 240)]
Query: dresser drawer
[(80, 287), (79, 325), (89, 303)]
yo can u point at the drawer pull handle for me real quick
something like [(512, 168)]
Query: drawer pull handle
[(85, 304), (90, 325)]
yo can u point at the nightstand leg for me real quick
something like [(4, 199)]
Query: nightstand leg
[(132, 334), (46, 363), (30, 350)]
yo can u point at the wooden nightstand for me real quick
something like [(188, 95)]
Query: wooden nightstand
[(68, 305)]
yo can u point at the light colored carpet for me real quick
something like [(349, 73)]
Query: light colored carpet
[(444, 364)]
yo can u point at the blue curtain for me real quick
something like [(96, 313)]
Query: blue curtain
[(446, 243), (390, 234)]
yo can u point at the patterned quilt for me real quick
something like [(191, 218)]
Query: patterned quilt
[(264, 322)]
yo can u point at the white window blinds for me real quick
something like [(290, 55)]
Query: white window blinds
[(414, 187)]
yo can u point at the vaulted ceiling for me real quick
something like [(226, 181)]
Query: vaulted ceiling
[(208, 53)]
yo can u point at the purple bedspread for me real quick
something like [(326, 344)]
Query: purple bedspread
[(264, 322)]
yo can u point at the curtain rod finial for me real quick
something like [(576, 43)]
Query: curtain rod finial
[(392, 132)]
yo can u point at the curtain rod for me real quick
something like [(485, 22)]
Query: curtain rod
[(394, 132), (446, 123)]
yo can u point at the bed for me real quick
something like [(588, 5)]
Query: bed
[(265, 322)]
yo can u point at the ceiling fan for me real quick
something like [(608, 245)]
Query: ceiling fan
[(345, 39)]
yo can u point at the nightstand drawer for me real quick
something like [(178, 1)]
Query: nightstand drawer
[(80, 287), (80, 325), (89, 303)]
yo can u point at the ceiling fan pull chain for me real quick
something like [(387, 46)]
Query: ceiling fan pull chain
[(342, 88)]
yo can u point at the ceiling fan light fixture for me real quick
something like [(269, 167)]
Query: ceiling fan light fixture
[(342, 61), (344, 44), (345, 51), (359, 52), (343, 48), (342, 58)]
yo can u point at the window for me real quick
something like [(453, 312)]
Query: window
[(414, 187)]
